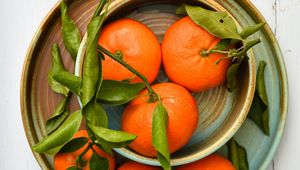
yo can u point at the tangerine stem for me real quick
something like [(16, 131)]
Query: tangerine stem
[(153, 96), (99, 8), (79, 158), (206, 53)]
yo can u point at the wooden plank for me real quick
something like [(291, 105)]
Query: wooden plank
[(287, 33), (268, 9)]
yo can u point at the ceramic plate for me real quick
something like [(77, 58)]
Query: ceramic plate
[(38, 101)]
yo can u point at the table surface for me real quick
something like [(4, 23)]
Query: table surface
[(21, 18)]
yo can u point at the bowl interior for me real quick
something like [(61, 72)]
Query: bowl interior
[(221, 112)]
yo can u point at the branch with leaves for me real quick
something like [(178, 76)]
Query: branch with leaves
[(233, 44), (93, 92)]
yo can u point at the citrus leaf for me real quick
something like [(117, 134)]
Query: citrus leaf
[(99, 81), (237, 155), (181, 10), (96, 115), (251, 30), (98, 163), (91, 68), (69, 81), (70, 33), (223, 44), (62, 135), (220, 24), (159, 135), (247, 46), (118, 92), (105, 148), (54, 150), (56, 66), (92, 74), (259, 111), (260, 83), (73, 168), (73, 145), (231, 82), (59, 115), (112, 138)]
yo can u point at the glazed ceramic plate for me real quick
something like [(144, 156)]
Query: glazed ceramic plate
[(38, 101), (221, 113)]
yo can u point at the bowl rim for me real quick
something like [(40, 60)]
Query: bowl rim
[(213, 147), (284, 90), (27, 118)]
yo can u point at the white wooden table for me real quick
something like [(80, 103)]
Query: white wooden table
[(19, 19)]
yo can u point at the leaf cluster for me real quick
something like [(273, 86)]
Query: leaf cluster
[(93, 92), (233, 44)]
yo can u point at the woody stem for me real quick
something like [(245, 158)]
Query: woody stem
[(153, 96)]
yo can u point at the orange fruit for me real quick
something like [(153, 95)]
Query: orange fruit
[(62, 161), (182, 122), (182, 61), (211, 162), (138, 45), (130, 165)]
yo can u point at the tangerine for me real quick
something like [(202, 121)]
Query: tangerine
[(211, 162), (131, 165), (138, 47), (62, 161), (182, 122), (182, 60)]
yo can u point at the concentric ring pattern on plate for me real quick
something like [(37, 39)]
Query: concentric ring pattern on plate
[(261, 148), (221, 112), (38, 101)]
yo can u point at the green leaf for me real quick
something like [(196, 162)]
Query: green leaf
[(100, 7), (91, 79), (69, 80), (98, 163), (260, 83), (238, 54), (70, 33), (105, 148), (58, 117), (181, 10), (159, 135), (100, 79), (251, 30), (247, 46), (259, 111), (237, 155), (231, 82), (73, 168), (118, 92), (112, 138), (74, 144), (220, 24), (62, 135), (56, 66), (96, 115), (91, 68), (223, 44)]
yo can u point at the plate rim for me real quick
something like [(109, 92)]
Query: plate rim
[(27, 123), (245, 4), (257, 16)]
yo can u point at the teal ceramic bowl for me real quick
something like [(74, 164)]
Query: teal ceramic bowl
[(221, 112)]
